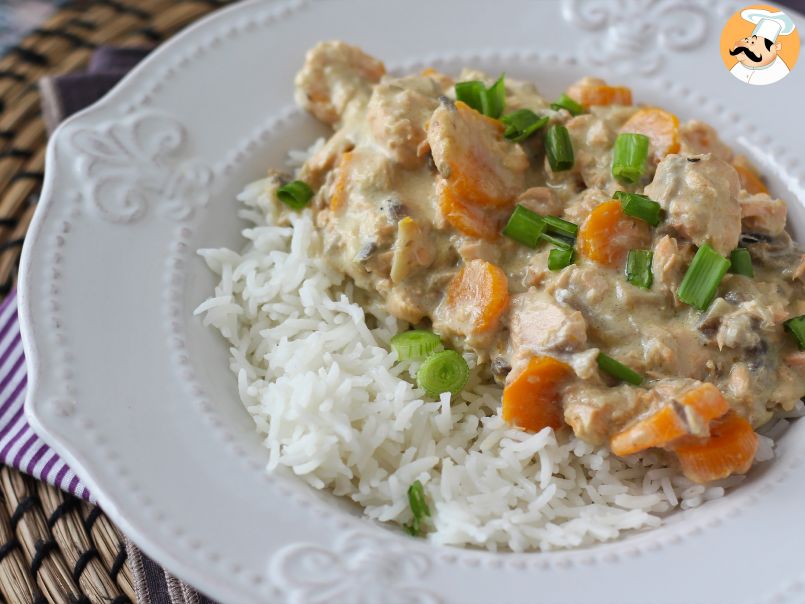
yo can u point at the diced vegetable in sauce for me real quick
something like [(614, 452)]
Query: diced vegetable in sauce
[(579, 250), (531, 399)]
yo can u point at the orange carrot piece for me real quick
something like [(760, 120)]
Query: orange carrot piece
[(478, 295), (531, 399), (607, 234), (750, 181), (706, 400), (660, 126), (666, 426), (730, 449), (470, 177), (600, 94), (655, 430), (468, 111), (339, 197), (472, 220)]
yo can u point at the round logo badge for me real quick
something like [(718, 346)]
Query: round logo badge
[(760, 44)]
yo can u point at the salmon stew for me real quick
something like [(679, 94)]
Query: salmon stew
[(621, 274)]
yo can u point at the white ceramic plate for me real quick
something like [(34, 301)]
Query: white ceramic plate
[(136, 394)]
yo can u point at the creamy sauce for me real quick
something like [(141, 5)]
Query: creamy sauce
[(398, 142)]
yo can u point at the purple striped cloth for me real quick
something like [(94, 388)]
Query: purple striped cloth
[(20, 447)]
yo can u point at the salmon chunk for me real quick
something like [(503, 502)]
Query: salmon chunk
[(470, 152), (700, 196), (334, 77), (539, 324)]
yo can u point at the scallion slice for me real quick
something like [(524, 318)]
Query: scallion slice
[(618, 370), (524, 226), (521, 124), (629, 157), (495, 99), (415, 345), (638, 268), (796, 327), (419, 508), (640, 206), (565, 102), (444, 371), (699, 285), (471, 93), (741, 262), (489, 101), (559, 258), (558, 148), (559, 241), (295, 194), (560, 227)]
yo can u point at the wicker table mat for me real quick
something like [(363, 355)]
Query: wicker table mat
[(52, 544)]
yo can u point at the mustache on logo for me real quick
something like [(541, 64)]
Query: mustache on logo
[(743, 49)]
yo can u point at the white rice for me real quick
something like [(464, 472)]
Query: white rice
[(335, 406)]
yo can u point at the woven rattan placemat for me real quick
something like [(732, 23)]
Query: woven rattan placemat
[(52, 544)]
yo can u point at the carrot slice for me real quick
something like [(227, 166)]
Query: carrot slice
[(655, 430), (706, 400), (471, 175), (531, 400), (660, 126), (600, 94), (607, 234), (730, 449), (750, 181), (477, 296), (470, 113), (339, 196), (670, 423), (470, 219)]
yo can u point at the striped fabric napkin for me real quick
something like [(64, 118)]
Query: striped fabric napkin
[(20, 447)]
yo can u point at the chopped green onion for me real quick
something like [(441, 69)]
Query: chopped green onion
[(559, 258), (559, 241), (618, 370), (524, 226), (495, 99), (741, 262), (489, 101), (699, 285), (471, 93), (565, 102), (444, 371), (629, 157), (558, 148), (560, 227), (521, 124), (638, 268), (415, 345), (640, 206), (796, 327), (295, 194), (419, 508)]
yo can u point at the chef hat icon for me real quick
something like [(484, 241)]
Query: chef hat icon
[(768, 25)]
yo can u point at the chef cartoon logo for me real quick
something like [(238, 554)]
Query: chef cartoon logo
[(760, 44)]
